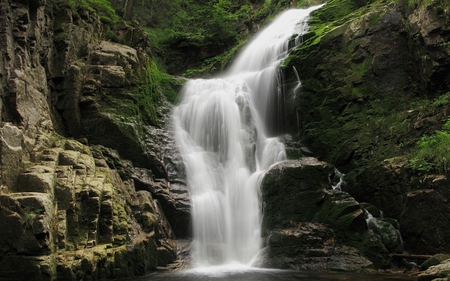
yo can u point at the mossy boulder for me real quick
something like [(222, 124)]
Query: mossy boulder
[(291, 184), (299, 199), (439, 272), (434, 260)]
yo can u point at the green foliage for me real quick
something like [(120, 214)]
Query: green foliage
[(214, 64), (198, 23), (154, 89), (436, 4), (433, 152), (309, 3), (102, 7), (444, 44), (203, 35), (427, 107)]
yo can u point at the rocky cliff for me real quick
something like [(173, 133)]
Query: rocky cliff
[(90, 184), (375, 80)]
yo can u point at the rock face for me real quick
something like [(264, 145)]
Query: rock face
[(309, 225), (110, 203), (368, 72), (73, 217)]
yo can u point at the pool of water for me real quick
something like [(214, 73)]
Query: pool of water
[(264, 275)]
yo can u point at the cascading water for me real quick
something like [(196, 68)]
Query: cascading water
[(222, 130)]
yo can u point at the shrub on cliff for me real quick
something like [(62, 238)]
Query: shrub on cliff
[(102, 7), (433, 152)]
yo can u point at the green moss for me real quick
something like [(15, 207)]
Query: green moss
[(432, 152), (142, 104), (372, 248)]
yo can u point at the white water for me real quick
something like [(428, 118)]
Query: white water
[(221, 130)]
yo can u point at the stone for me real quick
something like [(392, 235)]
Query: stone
[(27, 224), (69, 158), (24, 268), (119, 51), (302, 182), (312, 246), (13, 153), (37, 179), (109, 76), (434, 260), (296, 192), (439, 272)]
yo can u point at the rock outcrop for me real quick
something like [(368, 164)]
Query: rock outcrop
[(72, 217), (311, 225), (374, 80), (91, 184)]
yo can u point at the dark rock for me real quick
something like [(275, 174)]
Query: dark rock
[(312, 246), (302, 212), (361, 69), (434, 260)]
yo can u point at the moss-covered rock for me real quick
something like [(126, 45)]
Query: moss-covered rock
[(299, 200), (368, 93), (439, 272), (434, 260), (98, 227)]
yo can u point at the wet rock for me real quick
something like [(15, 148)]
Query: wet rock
[(13, 152), (439, 272), (359, 75), (68, 213), (312, 246), (299, 193), (96, 216)]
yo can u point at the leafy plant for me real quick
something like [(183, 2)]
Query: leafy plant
[(433, 152)]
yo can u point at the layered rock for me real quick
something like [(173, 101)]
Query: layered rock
[(71, 216), (102, 206)]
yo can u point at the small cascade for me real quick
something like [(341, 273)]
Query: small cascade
[(337, 179), (224, 128), (388, 232)]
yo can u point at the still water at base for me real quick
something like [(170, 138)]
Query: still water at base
[(264, 275)]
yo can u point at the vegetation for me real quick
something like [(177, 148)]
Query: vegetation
[(199, 38), (432, 152), (152, 92), (102, 7), (145, 100), (353, 122)]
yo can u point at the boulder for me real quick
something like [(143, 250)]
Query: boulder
[(312, 246), (437, 272), (301, 205)]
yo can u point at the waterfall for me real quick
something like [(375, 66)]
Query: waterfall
[(222, 127)]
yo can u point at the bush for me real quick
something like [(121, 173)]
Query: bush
[(433, 152), (102, 7)]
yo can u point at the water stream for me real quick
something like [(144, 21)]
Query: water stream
[(225, 132)]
